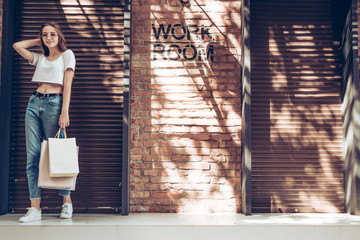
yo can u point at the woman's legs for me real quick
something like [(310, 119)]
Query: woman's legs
[(41, 120)]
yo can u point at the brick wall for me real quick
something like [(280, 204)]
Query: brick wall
[(185, 146)]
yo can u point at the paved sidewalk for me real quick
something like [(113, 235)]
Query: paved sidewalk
[(185, 227)]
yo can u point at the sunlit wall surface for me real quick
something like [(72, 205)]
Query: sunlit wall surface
[(185, 106)]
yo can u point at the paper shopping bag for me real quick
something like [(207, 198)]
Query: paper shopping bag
[(63, 157), (45, 181)]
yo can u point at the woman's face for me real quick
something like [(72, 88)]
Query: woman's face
[(50, 37)]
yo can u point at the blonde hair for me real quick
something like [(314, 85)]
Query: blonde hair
[(61, 38)]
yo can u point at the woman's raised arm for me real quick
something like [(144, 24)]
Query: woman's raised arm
[(22, 48)]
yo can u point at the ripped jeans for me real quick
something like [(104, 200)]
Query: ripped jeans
[(41, 122)]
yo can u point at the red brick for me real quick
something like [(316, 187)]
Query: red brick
[(158, 136), (137, 187), (135, 172), (150, 172), (200, 136), (196, 166), (179, 158), (221, 136), (150, 158), (163, 201), (137, 151), (139, 208), (220, 151), (140, 179), (147, 201), (139, 194), (162, 150), (151, 143), (158, 180), (139, 165), (196, 151), (163, 209), (164, 194), (152, 187)]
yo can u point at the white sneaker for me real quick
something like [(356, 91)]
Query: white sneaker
[(33, 214), (66, 211)]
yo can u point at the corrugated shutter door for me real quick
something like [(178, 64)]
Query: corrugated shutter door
[(94, 31), (297, 161)]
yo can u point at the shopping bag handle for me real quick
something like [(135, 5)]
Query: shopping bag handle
[(58, 133)]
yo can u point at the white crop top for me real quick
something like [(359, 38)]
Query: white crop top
[(52, 71)]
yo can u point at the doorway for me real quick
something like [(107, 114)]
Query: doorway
[(95, 33), (296, 84)]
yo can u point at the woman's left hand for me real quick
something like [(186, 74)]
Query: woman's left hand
[(64, 120)]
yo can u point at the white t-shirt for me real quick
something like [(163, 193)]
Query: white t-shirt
[(52, 71)]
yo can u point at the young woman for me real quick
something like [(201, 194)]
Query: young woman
[(48, 107)]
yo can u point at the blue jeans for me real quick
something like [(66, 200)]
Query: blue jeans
[(41, 122)]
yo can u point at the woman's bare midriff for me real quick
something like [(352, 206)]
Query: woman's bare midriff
[(49, 88)]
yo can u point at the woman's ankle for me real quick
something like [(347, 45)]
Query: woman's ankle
[(67, 199), (35, 203)]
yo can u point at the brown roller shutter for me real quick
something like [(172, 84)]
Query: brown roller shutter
[(297, 161), (94, 31)]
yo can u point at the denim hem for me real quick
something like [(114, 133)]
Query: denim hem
[(35, 198), (64, 194)]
